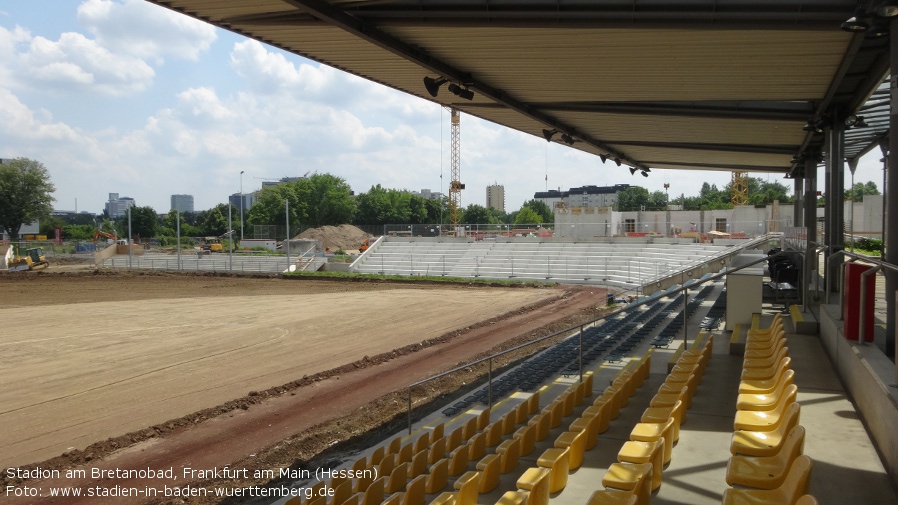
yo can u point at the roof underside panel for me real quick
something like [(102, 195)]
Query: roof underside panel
[(655, 83)]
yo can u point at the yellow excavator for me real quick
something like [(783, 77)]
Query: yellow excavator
[(33, 259)]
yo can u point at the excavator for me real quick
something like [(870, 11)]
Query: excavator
[(110, 236), (33, 259)]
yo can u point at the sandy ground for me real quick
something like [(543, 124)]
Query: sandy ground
[(87, 371), (138, 370)]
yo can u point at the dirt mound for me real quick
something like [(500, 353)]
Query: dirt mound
[(344, 236)]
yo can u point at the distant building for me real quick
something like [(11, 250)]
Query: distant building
[(118, 207), (495, 197), (584, 196), (182, 203), (248, 200), (283, 180), (428, 194)]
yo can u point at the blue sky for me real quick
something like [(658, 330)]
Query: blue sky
[(121, 96)]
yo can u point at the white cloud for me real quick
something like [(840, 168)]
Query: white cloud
[(73, 63), (134, 26)]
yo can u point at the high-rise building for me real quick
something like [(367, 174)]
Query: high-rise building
[(248, 200), (182, 203), (495, 197), (118, 207)]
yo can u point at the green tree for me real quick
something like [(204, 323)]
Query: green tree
[(545, 213), (632, 198), (657, 201), (476, 214), (325, 199), (214, 222), (78, 232), (527, 216), (437, 209), (857, 192), (25, 194), (761, 192), (269, 207), (144, 223)]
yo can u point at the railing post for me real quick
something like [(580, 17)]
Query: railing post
[(409, 410), (489, 389), (581, 354)]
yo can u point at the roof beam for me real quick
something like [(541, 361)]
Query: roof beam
[(365, 31), (660, 164), (766, 110), (700, 146)]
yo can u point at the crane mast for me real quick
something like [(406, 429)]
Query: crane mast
[(455, 185), (740, 188)]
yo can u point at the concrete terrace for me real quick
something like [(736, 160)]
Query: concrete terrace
[(619, 262)]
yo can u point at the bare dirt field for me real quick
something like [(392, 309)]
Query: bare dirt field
[(132, 370)]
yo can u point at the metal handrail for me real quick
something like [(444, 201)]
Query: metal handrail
[(879, 264), (489, 359)]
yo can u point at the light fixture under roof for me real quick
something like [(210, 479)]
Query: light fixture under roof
[(548, 134), (567, 139), (645, 174), (603, 157), (856, 23), (433, 85), (632, 170), (461, 92), (617, 160), (887, 9)]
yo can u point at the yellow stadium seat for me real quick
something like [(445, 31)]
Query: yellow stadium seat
[(467, 488), (765, 443), (490, 473), (558, 461), (629, 477), (766, 472), (644, 452), (576, 441), (794, 485)]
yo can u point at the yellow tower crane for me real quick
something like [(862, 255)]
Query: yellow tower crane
[(740, 188), (455, 185)]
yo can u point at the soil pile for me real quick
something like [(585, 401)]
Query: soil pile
[(344, 236)]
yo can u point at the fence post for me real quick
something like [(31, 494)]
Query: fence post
[(489, 389)]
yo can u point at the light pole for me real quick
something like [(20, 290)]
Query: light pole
[(241, 206)]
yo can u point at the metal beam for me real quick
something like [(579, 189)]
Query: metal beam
[(766, 110), (660, 164), (699, 146)]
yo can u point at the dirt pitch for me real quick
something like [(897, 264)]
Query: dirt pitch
[(108, 367)]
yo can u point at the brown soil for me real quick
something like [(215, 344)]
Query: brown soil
[(344, 236), (310, 418)]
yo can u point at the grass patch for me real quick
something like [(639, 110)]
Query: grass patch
[(419, 278)]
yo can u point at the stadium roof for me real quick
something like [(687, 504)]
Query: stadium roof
[(684, 84)]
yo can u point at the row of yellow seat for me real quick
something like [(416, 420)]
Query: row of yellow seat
[(638, 471), (767, 465), (406, 474), (554, 464)]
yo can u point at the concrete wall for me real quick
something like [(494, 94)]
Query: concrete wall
[(867, 216), (590, 222), (867, 374)]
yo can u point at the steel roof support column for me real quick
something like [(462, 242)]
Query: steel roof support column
[(835, 196), (891, 196), (810, 225), (798, 203)]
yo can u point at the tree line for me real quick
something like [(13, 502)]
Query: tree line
[(326, 199)]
